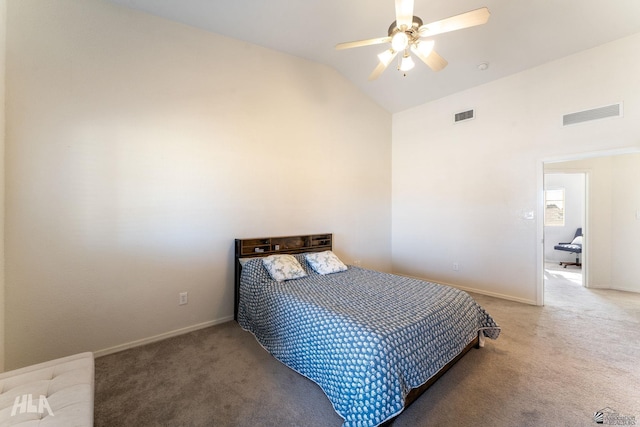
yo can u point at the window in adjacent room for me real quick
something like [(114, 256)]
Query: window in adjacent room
[(554, 207)]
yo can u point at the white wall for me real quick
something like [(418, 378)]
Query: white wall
[(461, 193), (3, 33), (138, 149), (574, 188), (625, 268)]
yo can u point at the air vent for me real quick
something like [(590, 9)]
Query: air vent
[(614, 110), (465, 115)]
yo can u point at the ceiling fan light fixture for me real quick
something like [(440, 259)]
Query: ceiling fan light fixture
[(399, 41), (406, 63), (425, 47), (386, 57)]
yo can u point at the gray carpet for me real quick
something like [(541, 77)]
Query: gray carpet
[(552, 366)]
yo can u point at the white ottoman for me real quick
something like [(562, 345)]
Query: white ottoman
[(54, 393)]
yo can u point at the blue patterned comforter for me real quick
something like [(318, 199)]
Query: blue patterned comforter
[(366, 338)]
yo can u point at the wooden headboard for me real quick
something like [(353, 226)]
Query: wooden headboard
[(265, 246)]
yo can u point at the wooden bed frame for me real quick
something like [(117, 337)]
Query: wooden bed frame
[(265, 246)]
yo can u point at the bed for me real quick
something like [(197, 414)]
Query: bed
[(372, 341)]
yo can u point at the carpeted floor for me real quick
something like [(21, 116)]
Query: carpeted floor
[(552, 366)]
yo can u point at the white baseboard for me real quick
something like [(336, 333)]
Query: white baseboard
[(160, 337), (603, 287), (493, 294), (476, 291), (621, 289)]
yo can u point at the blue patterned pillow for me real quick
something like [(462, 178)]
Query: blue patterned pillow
[(283, 267), (305, 265), (325, 262)]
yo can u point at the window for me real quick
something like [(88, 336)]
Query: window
[(554, 207)]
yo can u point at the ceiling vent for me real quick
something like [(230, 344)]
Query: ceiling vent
[(464, 115), (614, 110)]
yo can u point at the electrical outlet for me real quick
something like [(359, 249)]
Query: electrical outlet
[(456, 266), (357, 262), (183, 298)]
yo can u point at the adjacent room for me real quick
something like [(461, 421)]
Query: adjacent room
[(141, 138)]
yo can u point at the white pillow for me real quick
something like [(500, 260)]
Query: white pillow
[(577, 241), (283, 267), (325, 262)]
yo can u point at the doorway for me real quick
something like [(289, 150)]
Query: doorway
[(565, 196), (565, 208), (611, 242)]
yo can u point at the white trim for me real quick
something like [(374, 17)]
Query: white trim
[(491, 294), (540, 234), (590, 155), (160, 337), (632, 291), (586, 230), (473, 290)]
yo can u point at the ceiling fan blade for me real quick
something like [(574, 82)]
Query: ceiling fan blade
[(359, 43), (404, 13), (458, 22), (425, 52), (385, 59), (377, 71)]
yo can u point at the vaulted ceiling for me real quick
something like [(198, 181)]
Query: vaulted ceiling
[(519, 35)]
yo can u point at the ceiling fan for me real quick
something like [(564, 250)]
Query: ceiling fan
[(406, 35)]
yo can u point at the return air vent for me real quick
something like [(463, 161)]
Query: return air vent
[(464, 115), (614, 110)]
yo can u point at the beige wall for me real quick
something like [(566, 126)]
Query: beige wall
[(625, 223), (3, 20), (138, 148), (461, 193)]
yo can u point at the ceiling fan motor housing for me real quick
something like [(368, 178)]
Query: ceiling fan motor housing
[(411, 32)]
